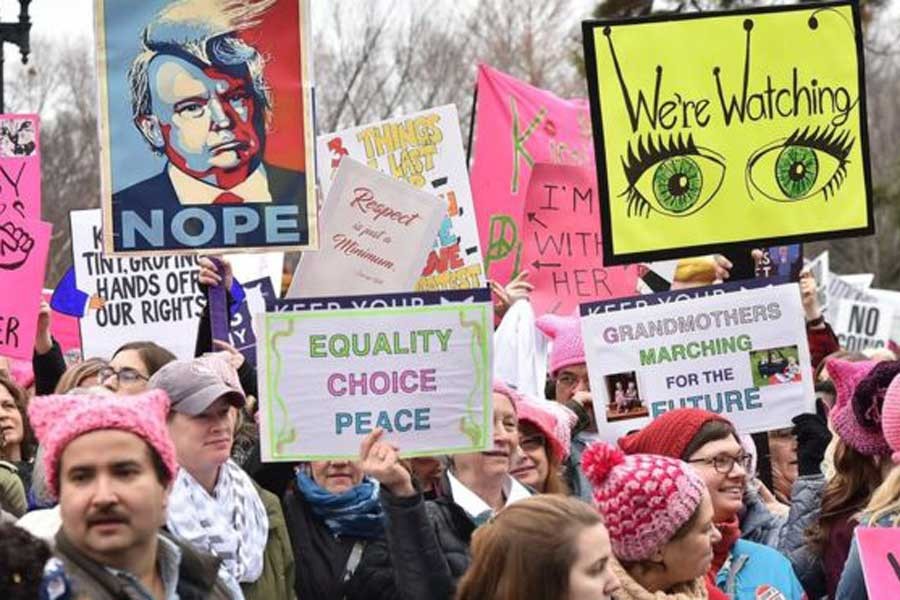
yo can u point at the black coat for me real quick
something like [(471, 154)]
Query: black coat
[(321, 558), (424, 556)]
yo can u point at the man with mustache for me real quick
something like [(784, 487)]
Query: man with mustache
[(111, 462)]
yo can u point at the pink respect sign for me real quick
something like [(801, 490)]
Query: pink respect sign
[(516, 126), (562, 244)]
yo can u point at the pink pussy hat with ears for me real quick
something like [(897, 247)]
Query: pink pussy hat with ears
[(57, 420), (498, 387), (847, 377), (568, 345), (553, 420), (890, 418)]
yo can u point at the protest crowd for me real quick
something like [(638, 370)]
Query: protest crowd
[(426, 408)]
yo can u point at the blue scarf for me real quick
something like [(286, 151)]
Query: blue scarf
[(356, 513)]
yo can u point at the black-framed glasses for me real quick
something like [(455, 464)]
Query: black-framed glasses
[(123, 375), (724, 463), (530, 443)]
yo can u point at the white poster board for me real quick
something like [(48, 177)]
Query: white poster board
[(862, 325), (424, 149), (154, 298), (250, 267), (422, 373), (741, 353), (819, 267), (376, 233)]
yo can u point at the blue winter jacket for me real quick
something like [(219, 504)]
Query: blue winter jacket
[(751, 569)]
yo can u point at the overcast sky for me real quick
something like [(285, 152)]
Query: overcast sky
[(69, 18), (64, 18)]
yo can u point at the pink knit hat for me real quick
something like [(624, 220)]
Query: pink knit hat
[(553, 419), (890, 418), (568, 346), (847, 377), (499, 387), (644, 498), (57, 420)]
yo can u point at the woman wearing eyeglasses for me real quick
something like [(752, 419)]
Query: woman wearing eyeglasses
[(545, 432), (742, 569), (132, 366)]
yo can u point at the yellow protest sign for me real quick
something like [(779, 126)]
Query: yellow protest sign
[(714, 130)]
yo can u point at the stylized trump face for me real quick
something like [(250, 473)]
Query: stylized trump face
[(206, 121)]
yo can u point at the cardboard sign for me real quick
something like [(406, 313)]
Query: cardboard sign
[(861, 281), (879, 553), (821, 270), (222, 158), (125, 299), (861, 325), (717, 130), (24, 238), (251, 267), (517, 125), (425, 150), (20, 167), (328, 378), (891, 298), (376, 233), (563, 248), (738, 352), (382, 300), (24, 244)]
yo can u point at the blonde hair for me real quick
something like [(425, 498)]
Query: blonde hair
[(77, 373), (886, 499)]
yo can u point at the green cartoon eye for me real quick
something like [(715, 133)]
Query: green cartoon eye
[(796, 170), (805, 164), (677, 184), (672, 177)]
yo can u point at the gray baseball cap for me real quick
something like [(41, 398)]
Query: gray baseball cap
[(193, 386)]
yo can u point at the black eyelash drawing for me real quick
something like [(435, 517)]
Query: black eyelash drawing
[(797, 170), (679, 186)]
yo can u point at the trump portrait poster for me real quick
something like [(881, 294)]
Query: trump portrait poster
[(722, 129), (205, 125)]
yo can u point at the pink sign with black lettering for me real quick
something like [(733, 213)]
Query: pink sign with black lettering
[(562, 245)]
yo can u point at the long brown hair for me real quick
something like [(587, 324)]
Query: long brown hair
[(20, 398), (711, 431), (527, 550), (155, 357), (855, 479), (555, 483)]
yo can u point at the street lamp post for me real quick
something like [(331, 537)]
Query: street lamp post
[(18, 33)]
